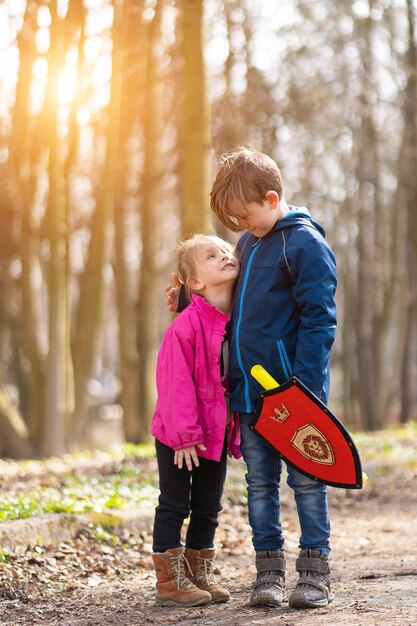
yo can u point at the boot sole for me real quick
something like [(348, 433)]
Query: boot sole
[(263, 601), (302, 603), (186, 605), (220, 600)]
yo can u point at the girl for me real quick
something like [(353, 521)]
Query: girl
[(190, 426)]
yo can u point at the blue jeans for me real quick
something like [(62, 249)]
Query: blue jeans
[(264, 467)]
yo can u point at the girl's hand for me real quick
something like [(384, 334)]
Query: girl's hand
[(188, 454), (172, 293)]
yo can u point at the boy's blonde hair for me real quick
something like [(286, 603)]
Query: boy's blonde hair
[(245, 175), (187, 254)]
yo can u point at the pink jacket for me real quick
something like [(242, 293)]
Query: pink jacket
[(191, 407)]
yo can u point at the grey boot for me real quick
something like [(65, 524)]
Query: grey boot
[(269, 586), (313, 587)]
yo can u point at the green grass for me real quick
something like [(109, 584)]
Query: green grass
[(127, 484), (390, 446), (97, 497)]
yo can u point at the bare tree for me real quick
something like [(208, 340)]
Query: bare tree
[(409, 368), (195, 134), (86, 346)]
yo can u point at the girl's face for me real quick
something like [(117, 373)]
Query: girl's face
[(216, 264)]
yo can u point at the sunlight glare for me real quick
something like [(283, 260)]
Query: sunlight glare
[(4, 26), (44, 17), (63, 115), (92, 48), (42, 39), (68, 79), (148, 14), (83, 116), (67, 85), (40, 68), (361, 9), (101, 72)]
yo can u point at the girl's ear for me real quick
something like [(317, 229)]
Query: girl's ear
[(195, 284)]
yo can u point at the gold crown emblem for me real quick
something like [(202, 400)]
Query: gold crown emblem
[(280, 414)]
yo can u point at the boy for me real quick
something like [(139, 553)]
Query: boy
[(284, 318)]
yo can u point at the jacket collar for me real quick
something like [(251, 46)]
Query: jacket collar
[(208, 310), (297, 215)]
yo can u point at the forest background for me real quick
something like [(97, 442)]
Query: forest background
[(112, 116)]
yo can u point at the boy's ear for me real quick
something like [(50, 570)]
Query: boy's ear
[(273, 198), (195, 284)]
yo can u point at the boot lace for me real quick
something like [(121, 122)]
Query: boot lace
[(204, 570), (179, 565)]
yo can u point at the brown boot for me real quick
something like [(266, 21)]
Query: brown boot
[(313, 587), (201, 564), (173, 588)]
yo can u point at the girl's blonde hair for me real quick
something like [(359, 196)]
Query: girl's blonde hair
[(187, 254)]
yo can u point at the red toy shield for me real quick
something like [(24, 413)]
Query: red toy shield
[(307, 435)]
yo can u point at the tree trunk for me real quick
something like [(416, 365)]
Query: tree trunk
[(128, 349), (134, 71), (92, 288), (349, 382), (14, 436), (409, 366), (149, 219), (196, 215), (374, 280), (31, 329), (75, 21), (53, 427)]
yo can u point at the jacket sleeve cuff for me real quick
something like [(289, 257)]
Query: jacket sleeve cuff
[(183, 299), (186, 444)]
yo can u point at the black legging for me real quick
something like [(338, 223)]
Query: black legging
[(197, 493)]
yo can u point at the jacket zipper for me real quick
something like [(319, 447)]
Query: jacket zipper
[(285, 362), (239, 320)]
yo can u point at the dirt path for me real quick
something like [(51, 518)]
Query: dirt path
[(373, 562)]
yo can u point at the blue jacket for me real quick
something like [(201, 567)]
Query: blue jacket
[(284, 313)]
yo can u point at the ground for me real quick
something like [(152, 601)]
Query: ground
[(100, 580)]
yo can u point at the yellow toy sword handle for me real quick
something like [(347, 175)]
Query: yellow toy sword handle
[(266, 380)]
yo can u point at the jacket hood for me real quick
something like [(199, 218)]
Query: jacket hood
[(297, 215)]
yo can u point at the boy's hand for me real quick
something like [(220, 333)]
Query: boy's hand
[(188, 454), (172, 293)]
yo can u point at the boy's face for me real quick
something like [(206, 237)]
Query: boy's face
[(258, 218)]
